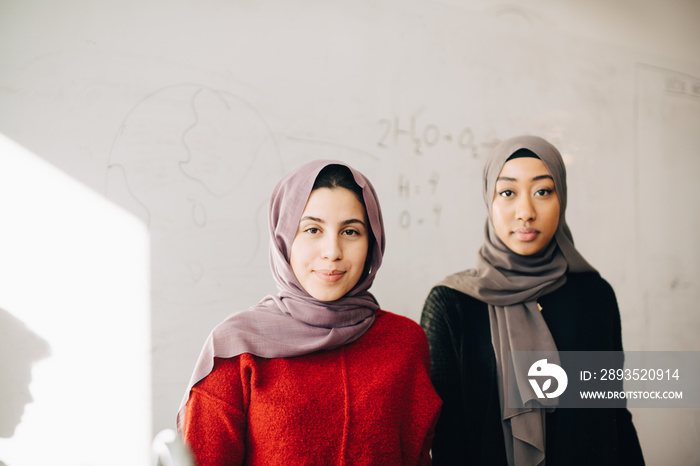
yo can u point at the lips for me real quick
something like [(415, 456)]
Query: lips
[(330, 276), (526, 234)]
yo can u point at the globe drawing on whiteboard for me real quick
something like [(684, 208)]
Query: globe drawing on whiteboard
[(197, 165)]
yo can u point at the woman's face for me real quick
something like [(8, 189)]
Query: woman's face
[(525, 207), (330, 247)]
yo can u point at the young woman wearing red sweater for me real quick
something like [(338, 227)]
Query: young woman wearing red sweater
[(316, 374)]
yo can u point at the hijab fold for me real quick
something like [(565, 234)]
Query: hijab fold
[(511, 284), (293, 323)]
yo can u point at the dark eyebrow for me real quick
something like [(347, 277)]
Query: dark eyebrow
[(543, 177), (310, 218), (354, 220), (345, 223), (537, 178)]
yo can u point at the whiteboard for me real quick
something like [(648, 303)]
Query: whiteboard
[(185, 114)]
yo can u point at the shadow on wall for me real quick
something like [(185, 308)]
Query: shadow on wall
[(20, 348)]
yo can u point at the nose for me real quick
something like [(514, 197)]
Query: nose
[(331, 248), (525, 210)]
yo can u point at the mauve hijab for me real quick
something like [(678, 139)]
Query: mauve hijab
[(510, 284), (293, 323)]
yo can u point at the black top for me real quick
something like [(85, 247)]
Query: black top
[(582, 315)]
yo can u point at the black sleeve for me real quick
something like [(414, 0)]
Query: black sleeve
[(629, 448), (630, 451), (449, 445), (469, 430)]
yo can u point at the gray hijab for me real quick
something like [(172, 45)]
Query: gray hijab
[(511, 284), (293, 323)]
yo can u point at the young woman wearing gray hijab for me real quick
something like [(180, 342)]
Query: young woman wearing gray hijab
[(317, 373), (531, 290)]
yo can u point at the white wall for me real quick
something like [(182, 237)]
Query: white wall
[(186, 113)]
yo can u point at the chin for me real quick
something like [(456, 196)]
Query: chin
[(326, 297), (526, 250)]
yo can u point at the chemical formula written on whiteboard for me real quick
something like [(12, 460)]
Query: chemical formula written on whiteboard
[(419, 140), (424, 137), (430, 211)]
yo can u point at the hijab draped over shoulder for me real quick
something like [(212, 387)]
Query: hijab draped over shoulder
[(293, 323), (511, 284)]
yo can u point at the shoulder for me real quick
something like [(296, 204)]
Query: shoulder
[(589, 285), (396, 336), (586, 297), (588, 279), (398, 324), (224, 369), (445, 295), (444, 303)]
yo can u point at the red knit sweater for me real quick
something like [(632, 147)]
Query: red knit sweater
[(369, 402)]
